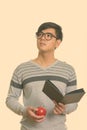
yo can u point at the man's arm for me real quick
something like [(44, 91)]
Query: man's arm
[(12, 101)]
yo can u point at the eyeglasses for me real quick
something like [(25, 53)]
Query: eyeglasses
[(47, 36)]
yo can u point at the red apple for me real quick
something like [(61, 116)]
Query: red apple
[(41, 111)]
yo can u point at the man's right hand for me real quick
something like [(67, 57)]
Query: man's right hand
[(31, 113)]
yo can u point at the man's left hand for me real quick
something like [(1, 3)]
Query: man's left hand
[(59, 108)]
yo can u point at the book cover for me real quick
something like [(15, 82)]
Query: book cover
[(54, 93)]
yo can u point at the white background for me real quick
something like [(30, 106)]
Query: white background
[(19, 20)]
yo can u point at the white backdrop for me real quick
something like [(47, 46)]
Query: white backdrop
[(19, 20)]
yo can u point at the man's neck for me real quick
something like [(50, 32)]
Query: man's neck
[(45, 59)]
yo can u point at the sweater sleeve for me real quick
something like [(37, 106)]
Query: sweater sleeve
[(15, 90), (72, 85)]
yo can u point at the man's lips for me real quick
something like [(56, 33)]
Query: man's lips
[(41, 43)]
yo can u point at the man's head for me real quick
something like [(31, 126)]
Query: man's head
[(47, 25)]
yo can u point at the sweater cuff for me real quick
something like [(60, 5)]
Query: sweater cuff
[(24, 111)]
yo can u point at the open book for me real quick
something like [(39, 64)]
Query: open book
[(54, 93)]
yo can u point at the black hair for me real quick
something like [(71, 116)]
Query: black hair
[(55, 26)]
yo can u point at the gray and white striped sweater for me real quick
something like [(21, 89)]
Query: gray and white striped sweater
[(29, 78)]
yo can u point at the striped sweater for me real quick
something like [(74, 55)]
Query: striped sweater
[(29, 78)]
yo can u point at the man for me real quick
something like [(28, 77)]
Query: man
[(30, 77)]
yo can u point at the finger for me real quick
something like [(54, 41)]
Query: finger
[(60, 108), (31, 111), (62, 105), (57, 111), (55, 102), (40, 120)]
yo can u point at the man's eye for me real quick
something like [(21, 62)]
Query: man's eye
[(48, 35), (39, 34)]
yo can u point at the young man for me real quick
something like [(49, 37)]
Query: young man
[(30, 77)]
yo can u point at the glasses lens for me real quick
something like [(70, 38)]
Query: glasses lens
[(39, 35), (48, 36)]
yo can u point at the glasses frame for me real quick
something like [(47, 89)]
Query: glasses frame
[(44, 34)]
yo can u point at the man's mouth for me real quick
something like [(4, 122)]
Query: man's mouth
[(42, 43)]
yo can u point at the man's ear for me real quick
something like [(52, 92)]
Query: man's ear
[(58, 43)]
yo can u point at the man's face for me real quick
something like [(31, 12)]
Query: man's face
[(47, 41)]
